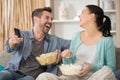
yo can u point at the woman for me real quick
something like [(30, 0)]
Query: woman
[(93, 47)]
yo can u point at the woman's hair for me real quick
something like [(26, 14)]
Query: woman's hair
[(103, 22)]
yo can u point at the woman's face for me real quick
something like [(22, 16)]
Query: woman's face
[(85, 17)]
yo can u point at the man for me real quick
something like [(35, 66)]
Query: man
[(23, 65)]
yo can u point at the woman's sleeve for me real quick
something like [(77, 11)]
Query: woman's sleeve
[(71, 59), (108, 57)]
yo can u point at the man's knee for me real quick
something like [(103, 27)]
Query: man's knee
[(6, 75), (26, 78)]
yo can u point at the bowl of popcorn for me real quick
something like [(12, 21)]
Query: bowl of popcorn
[(70, 69), (47, 58)]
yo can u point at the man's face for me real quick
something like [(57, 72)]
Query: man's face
[(44, 23)]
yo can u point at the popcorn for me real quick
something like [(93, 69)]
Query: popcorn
[(70, 69), (48, 58)]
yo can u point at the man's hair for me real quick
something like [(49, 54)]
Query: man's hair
[(38, 12)]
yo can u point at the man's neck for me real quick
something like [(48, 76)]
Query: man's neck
[(39, 36)]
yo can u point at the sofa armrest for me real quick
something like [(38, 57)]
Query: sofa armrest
[(4, 58)]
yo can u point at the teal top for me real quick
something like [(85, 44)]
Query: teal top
[(105, 51), (1, 68)]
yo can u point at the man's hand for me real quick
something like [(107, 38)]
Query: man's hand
[(58, 56), (14, 39)]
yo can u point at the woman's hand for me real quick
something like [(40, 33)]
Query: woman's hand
[(66, 53), (86, 69)]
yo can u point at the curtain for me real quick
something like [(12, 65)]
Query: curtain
[(16, 13)]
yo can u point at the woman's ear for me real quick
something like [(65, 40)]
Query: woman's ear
[(92, 15)]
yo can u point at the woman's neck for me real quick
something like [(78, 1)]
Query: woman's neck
[(91, 35), (92, 31)]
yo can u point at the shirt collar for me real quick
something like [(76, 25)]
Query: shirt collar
[(31, 36)]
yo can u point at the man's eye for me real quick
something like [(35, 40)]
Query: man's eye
[(47, 17), (51, 19)]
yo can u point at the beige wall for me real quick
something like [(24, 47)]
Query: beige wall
[(118, 23)]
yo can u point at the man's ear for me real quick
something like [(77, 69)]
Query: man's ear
[(36, 19)]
